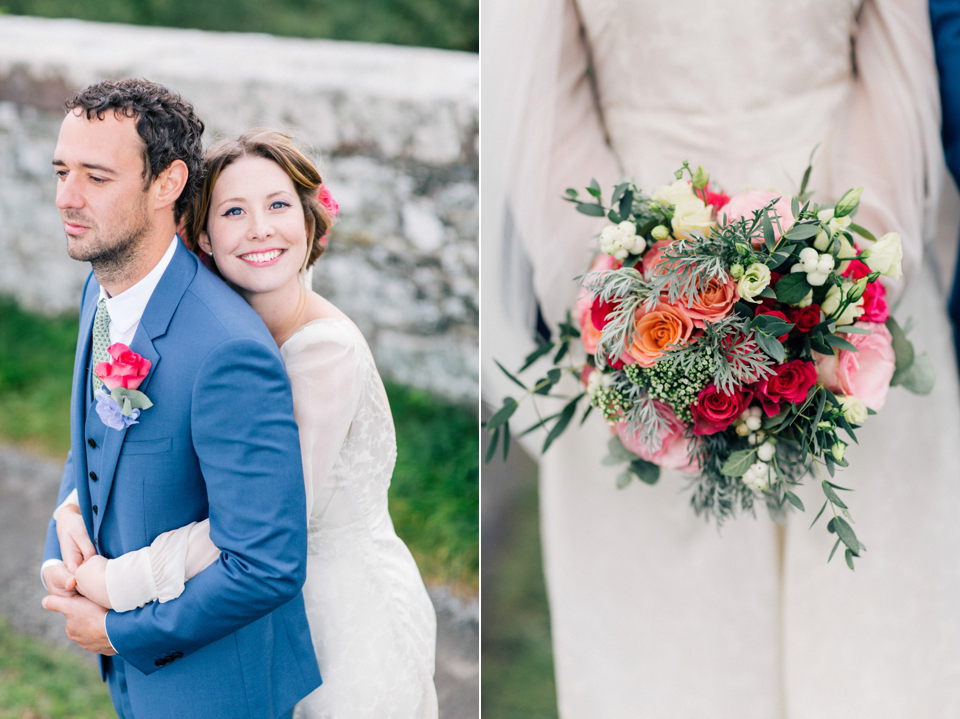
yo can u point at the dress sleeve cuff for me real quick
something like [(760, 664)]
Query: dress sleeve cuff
[(130, 582)]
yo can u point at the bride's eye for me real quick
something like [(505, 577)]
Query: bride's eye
[(232, 212), (278, 204)]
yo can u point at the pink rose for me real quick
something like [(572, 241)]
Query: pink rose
[(676, 450), (746, 203), (327, 202), (653, 257), (791, 383), (714, 303), (714, 410), (865, 374), (127, 370), (589, 308), (875, 308)]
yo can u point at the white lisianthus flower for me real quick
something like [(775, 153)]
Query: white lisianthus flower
[(674, 194), (832, 302), (807, 300), (690, 216), (885, 256), (757, 476), (621, 240), (835, 225), (838, 450), (754, 280), (854, 410), (736, 271)]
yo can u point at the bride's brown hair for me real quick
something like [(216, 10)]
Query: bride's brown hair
[(280, 148)]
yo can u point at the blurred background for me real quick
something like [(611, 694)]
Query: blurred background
[(384, 93)]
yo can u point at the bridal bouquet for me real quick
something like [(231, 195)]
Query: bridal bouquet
[(741, 339)]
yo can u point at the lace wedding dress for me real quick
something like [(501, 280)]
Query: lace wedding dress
[(372, 622), (655, 613)]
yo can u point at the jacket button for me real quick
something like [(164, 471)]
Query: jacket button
[(176, 655), (95, 509), (93, 476), (92, 442)]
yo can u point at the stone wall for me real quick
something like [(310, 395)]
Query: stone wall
[(395, 129)]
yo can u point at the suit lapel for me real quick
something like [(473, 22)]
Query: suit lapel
[(80, 398), (153, 324)]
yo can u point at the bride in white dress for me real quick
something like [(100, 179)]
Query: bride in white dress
[(655, 613), (373, 625)]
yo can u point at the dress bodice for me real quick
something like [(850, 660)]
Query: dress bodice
[(747, 88)]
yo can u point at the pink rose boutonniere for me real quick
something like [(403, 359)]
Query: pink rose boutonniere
[(121, 405)]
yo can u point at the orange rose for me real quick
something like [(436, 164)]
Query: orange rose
[(714, 303), (658, 330)]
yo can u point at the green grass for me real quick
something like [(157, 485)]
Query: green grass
[(38, 681), (450, 24), (36, 364), (435, 492), (515, 649), (434, 496)]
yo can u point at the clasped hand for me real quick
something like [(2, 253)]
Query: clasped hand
[(77, 587)]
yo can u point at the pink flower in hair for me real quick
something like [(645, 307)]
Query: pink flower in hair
[(326, 200)]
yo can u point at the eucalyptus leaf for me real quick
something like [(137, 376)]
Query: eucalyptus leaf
[(802, 231), (506, 440), (738, 463), (770, 345), (768, 239), (618, 192), (840, 343), (626, 204), (565, 416), (831, 495), (793, 499), (848, 555), (862, 231), (646, 471), (591, 209), (624, 479), (543, 349), (492, 448), (503, 414), (819, 514), (792, 288), (504, 370), (833, 551), (846, 534), (919, 378), (902, 348)]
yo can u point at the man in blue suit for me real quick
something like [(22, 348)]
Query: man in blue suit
[(219, 440), (945, 23)]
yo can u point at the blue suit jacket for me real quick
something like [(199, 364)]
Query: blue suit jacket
[(219, 441)]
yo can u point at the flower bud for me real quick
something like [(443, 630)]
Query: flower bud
[(660, 232), (848, 203), (838, 450)]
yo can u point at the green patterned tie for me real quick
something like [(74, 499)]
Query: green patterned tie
[(101, 339)]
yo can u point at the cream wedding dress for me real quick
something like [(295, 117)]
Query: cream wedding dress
[(655, 613), (372, 622)]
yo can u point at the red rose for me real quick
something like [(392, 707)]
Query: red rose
[(875, 308), (714, 411), (805, 319), (716, 199), (599, 311), (791, 383), (855, 270), (127, 370)]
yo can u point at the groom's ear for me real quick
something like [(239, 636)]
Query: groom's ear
[(170, 183), (204, 243)]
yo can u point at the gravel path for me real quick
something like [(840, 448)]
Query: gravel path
[(28, 490)]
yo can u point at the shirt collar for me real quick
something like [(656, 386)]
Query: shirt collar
[(127, 308)]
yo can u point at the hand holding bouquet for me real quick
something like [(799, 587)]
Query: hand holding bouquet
[(742, 340)]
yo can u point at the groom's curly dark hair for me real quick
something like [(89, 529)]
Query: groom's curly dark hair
[(167, 124)]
